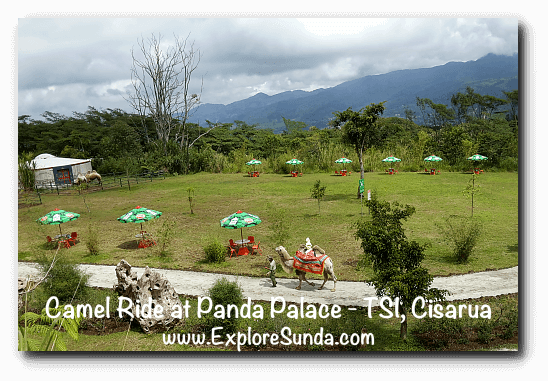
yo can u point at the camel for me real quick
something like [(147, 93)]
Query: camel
[(287, 265), (90, 176), (80, 179)]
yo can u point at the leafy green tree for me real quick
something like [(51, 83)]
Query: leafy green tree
[(455, 145), (396, 131), (70, 151), (435, 115), (512, 97), (121, 141), (471, 105), (293, 127), (396, 262), (360, 128)]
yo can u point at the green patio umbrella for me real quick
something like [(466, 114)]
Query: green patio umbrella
[(294, 162), (343, 161), (139, 215), (391, 159), (57, 217), (433, 158), (477, 157), (240, 220), (253, 162)]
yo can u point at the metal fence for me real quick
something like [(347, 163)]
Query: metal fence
[(26, 199), (108, 181)]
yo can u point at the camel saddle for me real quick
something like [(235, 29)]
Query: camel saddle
[(309, 262)]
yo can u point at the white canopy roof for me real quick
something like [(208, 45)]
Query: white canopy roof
[(47, 161)]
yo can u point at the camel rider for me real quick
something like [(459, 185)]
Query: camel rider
[(308, 245), (272, 270)]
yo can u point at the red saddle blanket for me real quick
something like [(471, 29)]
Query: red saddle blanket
[(308, 262)]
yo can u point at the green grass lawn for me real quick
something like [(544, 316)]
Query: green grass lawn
[(219, 195)]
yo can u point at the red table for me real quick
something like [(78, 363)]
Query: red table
[(243, 250)]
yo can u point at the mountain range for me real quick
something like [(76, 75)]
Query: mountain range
[(489, 75)]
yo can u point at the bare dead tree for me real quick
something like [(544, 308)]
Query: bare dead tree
[(161, 84)]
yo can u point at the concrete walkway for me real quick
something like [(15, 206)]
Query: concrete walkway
[(489, 283)]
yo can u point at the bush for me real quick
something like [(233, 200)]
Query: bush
[(92, 240), (462, 234), (65, 280), (215, 252), (485, 332), (224, 292), (165, 235)]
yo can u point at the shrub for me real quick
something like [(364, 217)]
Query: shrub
[(26, 171), (510, 324), (215, 252), (224, 292), (165, 235), (92, 240), (318, 191), (462, 234), (485, 332), (65, 280)]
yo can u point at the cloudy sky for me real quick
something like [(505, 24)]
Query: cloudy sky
[(66, 64)]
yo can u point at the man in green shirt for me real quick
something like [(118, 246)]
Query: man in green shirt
[(272, 270)]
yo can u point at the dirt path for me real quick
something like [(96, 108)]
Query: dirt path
[(489, 283)]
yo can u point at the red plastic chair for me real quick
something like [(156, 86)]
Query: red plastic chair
[(49, 239), (256, 248), (64, 243), (73, 237), (232, 243), (232, 251), (146, 243), (251, 239)]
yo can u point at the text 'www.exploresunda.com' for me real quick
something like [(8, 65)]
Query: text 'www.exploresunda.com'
[(285, 337)]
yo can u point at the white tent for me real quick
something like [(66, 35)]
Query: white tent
[(50, 170)]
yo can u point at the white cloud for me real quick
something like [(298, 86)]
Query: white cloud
[(88, 60), (339, 26)]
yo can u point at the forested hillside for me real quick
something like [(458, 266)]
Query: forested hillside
[(117, 141), (489, 75)]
